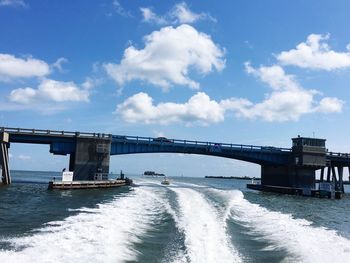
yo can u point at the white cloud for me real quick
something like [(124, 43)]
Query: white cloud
[(287, 102), (274, 76), (49, 91), (12, 67), (90, 83), (150, 17), (279, 106), (316, 54), (184, 15), (330, 105), (168, 56), (58, 64), (13, 3), (120, 10), (179, 14), (199, 109)]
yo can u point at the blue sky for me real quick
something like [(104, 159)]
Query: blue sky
[(252, 72)]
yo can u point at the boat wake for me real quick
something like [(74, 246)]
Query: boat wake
[(107, 233), (304, 242), (206, 239), (195, 225)]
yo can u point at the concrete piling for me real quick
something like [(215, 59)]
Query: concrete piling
[(4, 158)]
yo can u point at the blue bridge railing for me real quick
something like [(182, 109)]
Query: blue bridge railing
[(161, 140), (138, 139)]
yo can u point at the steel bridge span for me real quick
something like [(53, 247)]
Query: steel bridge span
[(90, 153)]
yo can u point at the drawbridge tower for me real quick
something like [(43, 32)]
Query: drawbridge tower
[(307, 156)]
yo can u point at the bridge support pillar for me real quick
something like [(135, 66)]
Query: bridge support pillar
[(4, 158), (328, 173), (322, 174), (288, 176), (91, 158), (71, 162), (340, 174), (334, 175)]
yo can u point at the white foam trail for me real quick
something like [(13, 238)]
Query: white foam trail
[(191, 184), (103, 234), (205, 234), (305, 243)]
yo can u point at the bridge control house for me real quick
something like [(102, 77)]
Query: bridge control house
[(308, 155), (298, 176)]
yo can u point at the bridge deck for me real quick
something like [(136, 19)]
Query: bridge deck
[(60, 141), (134, 139)]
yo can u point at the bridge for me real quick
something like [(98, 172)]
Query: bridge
[(89, 154)]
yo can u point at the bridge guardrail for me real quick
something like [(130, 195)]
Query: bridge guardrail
[(339, 154), (190, 143), (53, 132), (174, 142)]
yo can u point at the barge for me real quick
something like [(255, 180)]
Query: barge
[(100, 181), (323, 191), (65, 185)]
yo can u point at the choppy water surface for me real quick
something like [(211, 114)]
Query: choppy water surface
[(192, 220)]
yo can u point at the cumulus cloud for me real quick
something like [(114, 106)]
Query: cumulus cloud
[(168, 56), (199, 109), (12, 67), (330, 105), (315, 54), (179, 14), (49, 91), (288, 101), (13, 3)]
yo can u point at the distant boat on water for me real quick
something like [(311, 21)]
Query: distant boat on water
[(152, 173), (166, 181)]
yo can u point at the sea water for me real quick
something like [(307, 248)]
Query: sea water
[(191, 220)]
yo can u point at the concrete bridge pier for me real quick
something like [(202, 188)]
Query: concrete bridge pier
[(332, 176), (71, 162), (328, 173), (298, 174), (340, 175), (322, 174), (91, 159), (288, 176), (4, 158)]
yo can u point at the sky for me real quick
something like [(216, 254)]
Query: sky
[(246, 72)]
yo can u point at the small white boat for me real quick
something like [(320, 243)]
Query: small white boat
[(165, 181)]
